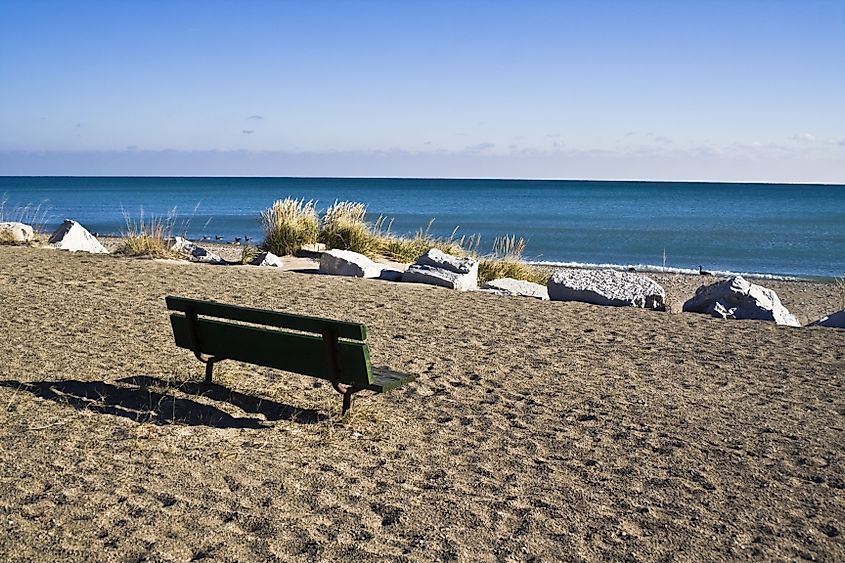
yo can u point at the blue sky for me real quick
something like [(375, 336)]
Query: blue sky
[(697, 90)]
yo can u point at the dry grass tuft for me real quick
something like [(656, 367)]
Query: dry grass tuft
[(288, 225), (403, 249), (505, 261), (147, 237), (33, 215), (344, 227), (489, 270), (249, 253)]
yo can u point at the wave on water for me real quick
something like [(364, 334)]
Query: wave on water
[(669, 270)]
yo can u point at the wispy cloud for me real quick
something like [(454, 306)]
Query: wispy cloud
[(803, 138), (737, 162), (248, 131), (481, 147), (256, 117)]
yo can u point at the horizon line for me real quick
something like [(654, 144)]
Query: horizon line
[(468, 178)]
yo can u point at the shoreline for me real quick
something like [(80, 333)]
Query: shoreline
[(808, 300), (231, 248)]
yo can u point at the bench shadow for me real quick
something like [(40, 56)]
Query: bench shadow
[(132, 398), (271, 410)]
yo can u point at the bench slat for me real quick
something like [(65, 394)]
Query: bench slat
[(298, 353), (352, 331), (384, 380)]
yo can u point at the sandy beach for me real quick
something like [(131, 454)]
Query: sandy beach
[(536, 431)]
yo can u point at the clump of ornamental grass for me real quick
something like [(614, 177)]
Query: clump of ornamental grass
[(249, 253), (505, 261), (147, 236), (403, 249), (33, 215), (289, 224), (344, 227)]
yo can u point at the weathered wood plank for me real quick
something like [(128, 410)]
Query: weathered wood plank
[(352, 331)]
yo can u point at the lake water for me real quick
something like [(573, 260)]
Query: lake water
[(781, 230)]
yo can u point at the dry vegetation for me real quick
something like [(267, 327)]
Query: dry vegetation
[(289, 224), (249, 253), (506, 262), (344, 226), (34, 215), (147, 236)]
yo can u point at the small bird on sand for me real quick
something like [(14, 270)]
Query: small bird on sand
[(218, 237), (247, 239), (237, 240), (702, 272)]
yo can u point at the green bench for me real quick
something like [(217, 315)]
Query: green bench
[(332, 350)]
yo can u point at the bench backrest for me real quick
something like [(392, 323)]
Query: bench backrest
[(306, 354)]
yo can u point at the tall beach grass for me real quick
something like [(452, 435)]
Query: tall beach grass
[(34, 215), (148, 236), (404, 249), (505, 261), (289, 224), (292, 223), (344, 227)]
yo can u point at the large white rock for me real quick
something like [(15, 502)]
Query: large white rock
[(833, 320), (435, 267), (347, 263), (606, 287), (736, 298), (267, 259), (76, 238), (16, 232), (521, 288), (195, 253)]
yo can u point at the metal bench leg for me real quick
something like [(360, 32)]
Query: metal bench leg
[(347, 401), (209, 362)]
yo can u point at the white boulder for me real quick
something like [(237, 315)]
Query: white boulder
[(435, 267), (195, 253), (833, 320), (347, 263), (76, 238), (606, 287), (16, 232), (267, 259), (736, 298), (521, 288)]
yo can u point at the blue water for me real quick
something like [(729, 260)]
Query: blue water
[(791, 230)]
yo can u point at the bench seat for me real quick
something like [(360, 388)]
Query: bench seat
[(336, 351)]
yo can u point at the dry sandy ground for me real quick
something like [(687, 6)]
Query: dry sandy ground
[(536, 431)]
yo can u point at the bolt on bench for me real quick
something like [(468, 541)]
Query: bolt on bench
[(336, 351)]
